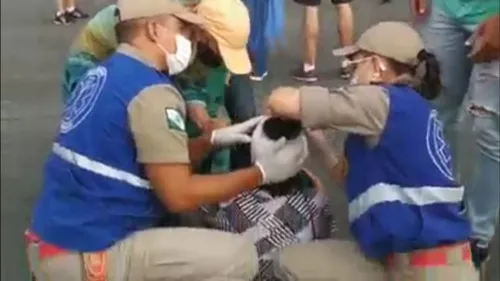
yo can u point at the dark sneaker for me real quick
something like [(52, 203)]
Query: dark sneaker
[(77, 14), (346, 69), (480, 255), (305, 76), (258, 77), (62, 18)]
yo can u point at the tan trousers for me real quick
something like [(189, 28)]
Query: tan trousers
[(329, 260), (164, 254), (336, 260)]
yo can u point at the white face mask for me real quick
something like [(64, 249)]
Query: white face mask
[(179, 61), (364, 71)]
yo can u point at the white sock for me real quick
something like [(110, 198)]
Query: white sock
[(309, 67), (70, 9)]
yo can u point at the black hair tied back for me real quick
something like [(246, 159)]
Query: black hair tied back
[(428, 72)]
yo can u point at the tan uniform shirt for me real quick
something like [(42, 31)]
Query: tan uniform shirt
[(361, 109), (157, 120)]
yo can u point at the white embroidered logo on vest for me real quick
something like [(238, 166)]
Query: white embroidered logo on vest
[(83, 99), (437, 147)]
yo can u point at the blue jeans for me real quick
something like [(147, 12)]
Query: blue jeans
[(479, 86), (258, 45)]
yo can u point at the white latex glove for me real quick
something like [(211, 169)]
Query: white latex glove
[(235, 134), (278, 160)]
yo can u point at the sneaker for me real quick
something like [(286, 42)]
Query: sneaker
[(305, 76), (255, 77), (77, 14), (480, 255), (62, 18), (346, 69)]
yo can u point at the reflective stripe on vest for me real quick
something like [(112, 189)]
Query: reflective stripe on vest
[(416, 196), (99, 168)]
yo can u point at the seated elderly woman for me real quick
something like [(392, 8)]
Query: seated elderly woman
[(276, 215)]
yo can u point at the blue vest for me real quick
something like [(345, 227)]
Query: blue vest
[(401, 193), (94, 191)]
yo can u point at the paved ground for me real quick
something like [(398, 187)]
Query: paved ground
[(32, 53)]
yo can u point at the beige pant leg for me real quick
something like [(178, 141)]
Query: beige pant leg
[(455, 269), (165, 254), (455, 272), (187, 254), (329, 260), (63, 267)]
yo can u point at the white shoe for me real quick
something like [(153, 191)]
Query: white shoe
[(258, 78)]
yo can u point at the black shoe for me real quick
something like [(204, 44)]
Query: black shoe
[(77, 14), (62, 18), (480, 255), (305, 76)]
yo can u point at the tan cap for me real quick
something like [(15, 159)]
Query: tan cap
[(133, 9), (229, 23), (390, 39)]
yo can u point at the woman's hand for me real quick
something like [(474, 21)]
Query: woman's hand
[(486, 46), (285, 102), (339, 171), (218, 123), (214, 124), (316, 181), (419, 9)]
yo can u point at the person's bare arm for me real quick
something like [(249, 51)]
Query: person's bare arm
[(157, 124), (339, 170), (198, 113), (419, 7), (486, 45), (199, 147)]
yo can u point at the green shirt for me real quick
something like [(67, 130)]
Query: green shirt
[(204, 86), (469, 12)]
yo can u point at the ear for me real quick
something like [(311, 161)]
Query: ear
[(379, 68), (380, 64), (151, 31)]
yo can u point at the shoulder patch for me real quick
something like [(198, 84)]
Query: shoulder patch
[(175, 121)]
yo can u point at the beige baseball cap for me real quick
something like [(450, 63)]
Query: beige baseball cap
[(133, 9), (390, 39), (229, 23)]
